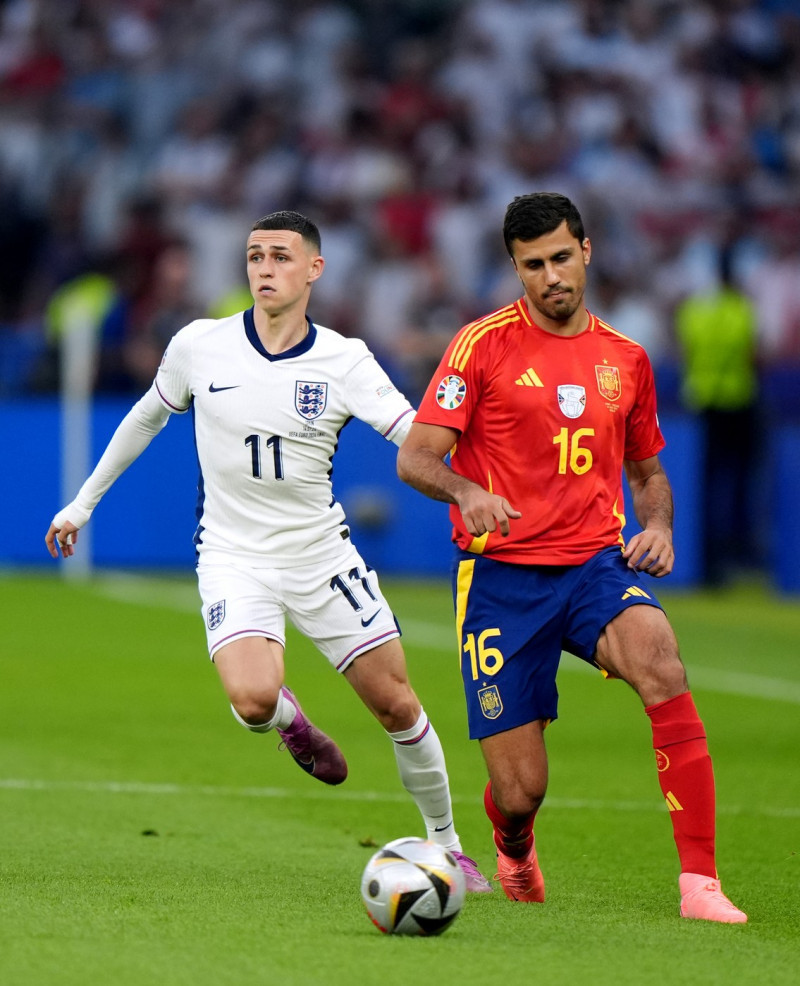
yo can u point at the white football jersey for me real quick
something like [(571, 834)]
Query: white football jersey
[(266, 428)]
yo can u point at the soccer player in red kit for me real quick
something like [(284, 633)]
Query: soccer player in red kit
[(541, 406)]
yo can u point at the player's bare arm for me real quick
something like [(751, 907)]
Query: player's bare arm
[(420, 463), (650, 551)]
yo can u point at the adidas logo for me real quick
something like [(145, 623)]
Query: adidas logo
[(634, 590), (529, 379), (672, 803)]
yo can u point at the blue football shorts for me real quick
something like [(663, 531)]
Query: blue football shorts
[(514, 621)]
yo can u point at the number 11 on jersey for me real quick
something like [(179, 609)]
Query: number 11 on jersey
[(274, 443)]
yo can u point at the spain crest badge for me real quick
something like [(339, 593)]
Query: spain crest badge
[(490, 701), (608, 382)]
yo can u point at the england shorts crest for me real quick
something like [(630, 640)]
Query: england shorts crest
[(310, 398), (216, 614)]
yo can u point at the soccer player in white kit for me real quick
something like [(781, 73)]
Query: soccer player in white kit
[(270, 391)]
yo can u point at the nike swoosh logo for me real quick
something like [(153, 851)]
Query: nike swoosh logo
[(442, 828), (215, 390), (366, 623)]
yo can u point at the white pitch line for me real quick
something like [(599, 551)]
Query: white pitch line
[(318, 794), (182, 597)]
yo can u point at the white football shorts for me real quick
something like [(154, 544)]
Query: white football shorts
[(344, 614)]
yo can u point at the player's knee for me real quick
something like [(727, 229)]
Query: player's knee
[(254, 708), (396, 708), (399, 710), (671, 676), (664, 660), (517, 802), (662, 675), (381, 682), (640, 647)]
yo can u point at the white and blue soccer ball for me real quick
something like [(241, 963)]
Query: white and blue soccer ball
[(413, 887)]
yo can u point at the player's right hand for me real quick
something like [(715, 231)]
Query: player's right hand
[(484, 511), (63, 538)]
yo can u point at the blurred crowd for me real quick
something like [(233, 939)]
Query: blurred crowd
[(140, 139)]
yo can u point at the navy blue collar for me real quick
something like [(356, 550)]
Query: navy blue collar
[(302, 347)]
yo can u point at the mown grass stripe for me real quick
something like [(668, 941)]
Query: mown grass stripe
[(321, 794)]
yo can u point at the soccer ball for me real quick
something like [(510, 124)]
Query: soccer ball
[(413, 887)]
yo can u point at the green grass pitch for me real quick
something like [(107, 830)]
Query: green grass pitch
[(148, 839)]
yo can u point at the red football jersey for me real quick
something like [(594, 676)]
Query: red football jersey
[(545, 421)]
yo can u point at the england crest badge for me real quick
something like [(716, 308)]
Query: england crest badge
[(310, 398), (215, 614)]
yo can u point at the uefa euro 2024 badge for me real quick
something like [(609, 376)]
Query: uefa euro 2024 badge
[(451, 392)]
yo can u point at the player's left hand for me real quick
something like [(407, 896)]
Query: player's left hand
[(651, 551)]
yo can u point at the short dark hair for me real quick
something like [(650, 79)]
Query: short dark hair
[(531, 216), (294, 221)]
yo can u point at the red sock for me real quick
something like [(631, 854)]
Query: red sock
[(512, 838), (687, 780)]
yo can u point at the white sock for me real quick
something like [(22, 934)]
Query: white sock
[(284, 716), (420, 760)]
